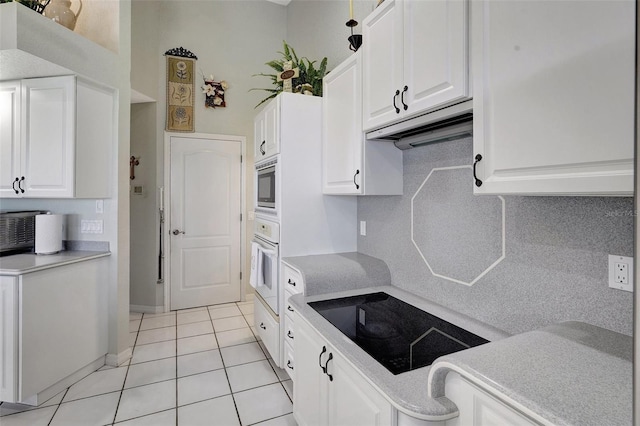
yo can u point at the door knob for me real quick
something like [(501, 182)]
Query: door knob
[(177, 232)]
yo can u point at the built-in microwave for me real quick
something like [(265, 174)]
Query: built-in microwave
[(266, 185)]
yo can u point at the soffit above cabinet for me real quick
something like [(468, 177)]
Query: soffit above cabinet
[(34, 46)]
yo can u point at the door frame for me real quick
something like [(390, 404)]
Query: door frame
[(166, 240)]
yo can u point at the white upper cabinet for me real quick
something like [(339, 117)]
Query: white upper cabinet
[(266, 128), (554, 97), (48, 136), (415, 59), (9, 136), (351, 165), (56, 138)]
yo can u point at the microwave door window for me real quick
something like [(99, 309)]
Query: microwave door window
[(265, 188)]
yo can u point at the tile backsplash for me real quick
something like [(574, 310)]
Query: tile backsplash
[(555, 248)]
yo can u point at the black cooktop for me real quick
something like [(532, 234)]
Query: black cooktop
[(399, 336)]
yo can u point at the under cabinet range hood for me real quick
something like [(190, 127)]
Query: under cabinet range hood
[(453, 122)]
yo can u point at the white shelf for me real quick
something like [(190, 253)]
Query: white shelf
[(34, 46)]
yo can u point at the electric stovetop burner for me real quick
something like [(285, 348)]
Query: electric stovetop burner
[(397, 335)]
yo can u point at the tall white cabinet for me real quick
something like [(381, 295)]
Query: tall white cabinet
[(415, 59), (56, 138), (351, 164), (553, 97)]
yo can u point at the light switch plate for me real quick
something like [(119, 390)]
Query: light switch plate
[(621, 272)]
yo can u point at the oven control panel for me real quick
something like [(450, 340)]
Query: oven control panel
[(267, 229)]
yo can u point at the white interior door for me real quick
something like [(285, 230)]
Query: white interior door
[(205, 224)]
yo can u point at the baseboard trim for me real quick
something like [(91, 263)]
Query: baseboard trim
[(56, 388), (116, 360), (146, 309)]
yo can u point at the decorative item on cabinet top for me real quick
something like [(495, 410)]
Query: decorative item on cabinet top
[(181, 64), (36, 5), (307, 82), (355, 40), (60, 12)]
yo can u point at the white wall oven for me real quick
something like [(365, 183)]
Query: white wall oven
[(265, 262), (267, 186)]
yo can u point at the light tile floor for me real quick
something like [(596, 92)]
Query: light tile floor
[(201, 366)]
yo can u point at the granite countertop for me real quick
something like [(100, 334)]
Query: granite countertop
[(408, 392), (570, 373), (25, 263), (326, 273)]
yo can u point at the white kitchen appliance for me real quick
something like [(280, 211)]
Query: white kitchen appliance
[(265, 262), (267, 182)]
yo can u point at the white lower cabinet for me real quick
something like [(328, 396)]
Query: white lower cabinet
[(268, 328), (53, 323), (478, 408), (328, 390)]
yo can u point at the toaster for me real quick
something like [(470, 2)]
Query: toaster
[(18, 230)]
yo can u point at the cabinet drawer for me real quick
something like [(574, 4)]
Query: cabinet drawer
[(268, 328), (289, 310), (292, 280), (288, 330), (289, 363)]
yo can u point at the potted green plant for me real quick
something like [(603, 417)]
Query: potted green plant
[(308, 80), (37, 5)]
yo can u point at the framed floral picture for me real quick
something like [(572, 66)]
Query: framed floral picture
[(180, 90), (214, 92)]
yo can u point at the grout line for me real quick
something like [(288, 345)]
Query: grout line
[(225, 373), (126, 374), (58, 407), (271, 418)]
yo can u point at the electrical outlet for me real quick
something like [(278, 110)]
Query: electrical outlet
[(363, 227), (621, 272)]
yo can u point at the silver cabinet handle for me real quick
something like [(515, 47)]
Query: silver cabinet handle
[(177, 232)]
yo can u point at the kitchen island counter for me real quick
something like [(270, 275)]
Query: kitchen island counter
[(25, 263), (570, 373)]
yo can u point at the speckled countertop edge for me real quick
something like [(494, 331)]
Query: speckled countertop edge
[(408, 392), (579, 377), (19, 264), (328, 273)]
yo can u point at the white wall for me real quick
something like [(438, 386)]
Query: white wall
[(233, 40), (316, 28)]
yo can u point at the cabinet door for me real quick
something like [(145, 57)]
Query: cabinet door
[(478, 408), (382, 65), (554, 97), (435, 54), (48, 135), (9, 137), (258, 135), (309, 391), (272, 127), (352, 400), (9, 339), (342, 135)]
